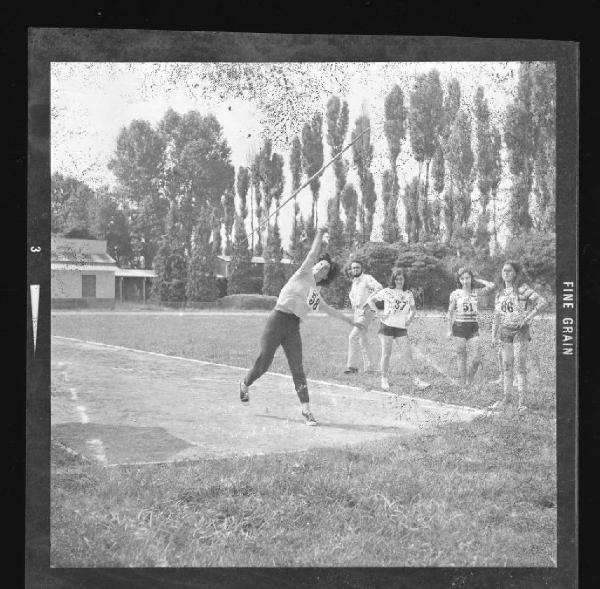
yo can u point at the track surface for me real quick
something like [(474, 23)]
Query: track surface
[(122, 406)]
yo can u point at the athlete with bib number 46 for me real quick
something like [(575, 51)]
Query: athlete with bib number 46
[(301, 294), (395, 307)]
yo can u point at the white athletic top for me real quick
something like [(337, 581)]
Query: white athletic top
[(396, 306), (513, 306), (465, 304), (362, 288), (300, 294)]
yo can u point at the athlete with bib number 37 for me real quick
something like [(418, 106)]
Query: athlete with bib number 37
[(301, 294), (398, 311)]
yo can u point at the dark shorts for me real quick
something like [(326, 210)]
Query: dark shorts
[(508, 334), (392, 331), (465, 329)]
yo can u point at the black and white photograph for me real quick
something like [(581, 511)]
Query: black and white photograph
[(303, 313)]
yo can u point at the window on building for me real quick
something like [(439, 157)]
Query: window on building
[(88, 286)]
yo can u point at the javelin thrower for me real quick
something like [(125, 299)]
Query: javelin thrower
[(300, 295)]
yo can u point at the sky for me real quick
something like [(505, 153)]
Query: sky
[(92, 102)]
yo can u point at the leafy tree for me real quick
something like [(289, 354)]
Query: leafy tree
[(72, 204), (536, 250), (138, 165), (394, 128), (110, 223), (426, 274), (312, 156), (378, 259), (206, 167), (201, 280), (362, 152)]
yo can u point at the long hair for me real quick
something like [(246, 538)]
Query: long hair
[(397, 272), (334, 270), (520, 275), (460, 272)]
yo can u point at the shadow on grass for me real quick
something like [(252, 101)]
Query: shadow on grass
[(400, 429), (118, 443)]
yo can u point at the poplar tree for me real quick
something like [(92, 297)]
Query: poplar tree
[(425, 119), (228, 219), (240, 269), (484, 167), (350, 204), (519, 135), (296, 174), (312, 157), (362, 152), (395, 131), (337, 127), (460, 162), (201, 281)]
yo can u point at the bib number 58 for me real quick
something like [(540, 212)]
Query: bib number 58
[(314, 301)]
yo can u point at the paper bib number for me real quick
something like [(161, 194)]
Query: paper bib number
[(313, 300)]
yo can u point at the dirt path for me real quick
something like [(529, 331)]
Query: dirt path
[(124, 406)]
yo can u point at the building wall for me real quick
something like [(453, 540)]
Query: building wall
[(67, 284)]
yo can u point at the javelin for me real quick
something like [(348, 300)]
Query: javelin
[(261, 226)]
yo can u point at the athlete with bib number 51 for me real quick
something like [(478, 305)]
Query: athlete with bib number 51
[(301, 294), (463, 324)]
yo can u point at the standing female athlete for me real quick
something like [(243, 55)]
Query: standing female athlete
[(463, 324), (300, 295), (516, 305), (398, 311)]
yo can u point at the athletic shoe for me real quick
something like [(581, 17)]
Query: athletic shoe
[(385, 385), (498, 405), (522, 409), (351, 370), (497, 381), (310, 420), (244, 392), (421, 384)]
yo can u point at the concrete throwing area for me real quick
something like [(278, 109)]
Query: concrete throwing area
[(120, 406)]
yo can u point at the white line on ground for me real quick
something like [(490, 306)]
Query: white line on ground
[(84, 417), (97, 448), (323, 382), (73, 394)]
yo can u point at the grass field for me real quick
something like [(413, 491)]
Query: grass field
[(470, 494)]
